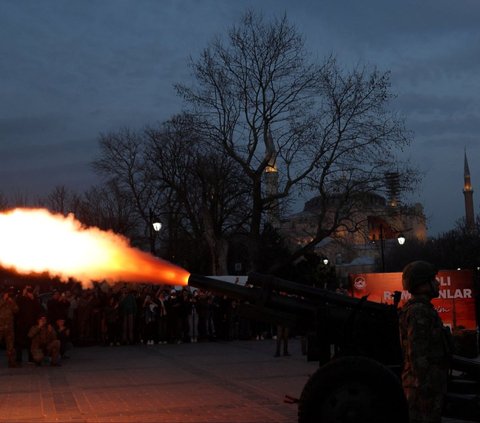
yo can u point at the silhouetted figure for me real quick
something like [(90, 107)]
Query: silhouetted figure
[(29, 309), (283, 334), (128, 312), (8, 308), (425, 344)]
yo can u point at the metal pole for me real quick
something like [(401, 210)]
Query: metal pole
[(382, 248), (151, 232)]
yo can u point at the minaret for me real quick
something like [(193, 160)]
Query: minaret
[(468, 193), (393, 188), (271, 178)]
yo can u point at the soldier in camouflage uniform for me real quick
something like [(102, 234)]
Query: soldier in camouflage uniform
[(44, 342), (8, 307), (425, 345)]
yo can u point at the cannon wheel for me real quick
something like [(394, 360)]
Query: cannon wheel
[(353, 390)]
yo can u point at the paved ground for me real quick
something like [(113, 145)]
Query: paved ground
[(206, 382)]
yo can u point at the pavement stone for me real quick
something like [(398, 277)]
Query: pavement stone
[(213, 382)]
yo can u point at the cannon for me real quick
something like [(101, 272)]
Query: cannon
[(356, 343)]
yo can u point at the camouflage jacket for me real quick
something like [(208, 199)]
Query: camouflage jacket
[(8, 307), (425, 345), (41, 336)]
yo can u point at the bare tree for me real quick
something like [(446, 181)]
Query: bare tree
[(59, 200), (109, 208), (196, 191), (123, 163), (3, 202), (246, 88), (313, 126), (106, 207), (20, 199), (206, 189)]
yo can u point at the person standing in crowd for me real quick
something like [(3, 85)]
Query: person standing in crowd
[(57, 307), (174, 322), (201, 307), (72, 297), (193, 317), (8, 308), (63, 335), (162, 316), (426, 345), (150, 316), (97, 304), (234, 321), (128, 312), (83, 316), (139, 321), (212, 306), (185, 312), (282, 338), (44, 342), (221, 317), (112, 322), (29, 308)]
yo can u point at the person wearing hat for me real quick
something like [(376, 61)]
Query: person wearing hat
[(425, 345), (8, 309)]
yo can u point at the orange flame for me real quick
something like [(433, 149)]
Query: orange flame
[(37, 241)]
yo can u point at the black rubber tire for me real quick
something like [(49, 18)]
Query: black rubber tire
[(353, 390)]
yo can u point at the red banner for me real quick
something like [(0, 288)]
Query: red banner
[(455, 305)]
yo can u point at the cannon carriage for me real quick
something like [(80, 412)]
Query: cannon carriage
[(356, 343)]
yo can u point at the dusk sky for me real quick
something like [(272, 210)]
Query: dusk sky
[(70, 70)]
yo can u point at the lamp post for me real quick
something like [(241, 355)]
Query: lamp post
[(382, 248), (325, 272), (154, 226), (400, 239)]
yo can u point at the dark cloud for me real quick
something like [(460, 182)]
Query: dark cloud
[(431, 104), (21, 130), (460, 126), (36, 170)]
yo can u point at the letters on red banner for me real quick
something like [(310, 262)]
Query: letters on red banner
[(456, 303)]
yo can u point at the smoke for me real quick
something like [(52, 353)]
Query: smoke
[(38, 241)]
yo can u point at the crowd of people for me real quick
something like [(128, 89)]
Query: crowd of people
[(40, 327)]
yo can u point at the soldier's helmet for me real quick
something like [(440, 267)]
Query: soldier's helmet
[(417, 273)]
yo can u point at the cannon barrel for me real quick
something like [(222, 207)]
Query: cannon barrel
[(264, 289), (267, 292), (311, 293), (222, 288), (270, 292), (258, 303)]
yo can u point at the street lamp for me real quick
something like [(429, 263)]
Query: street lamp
[(325, 261), (401, 239)]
